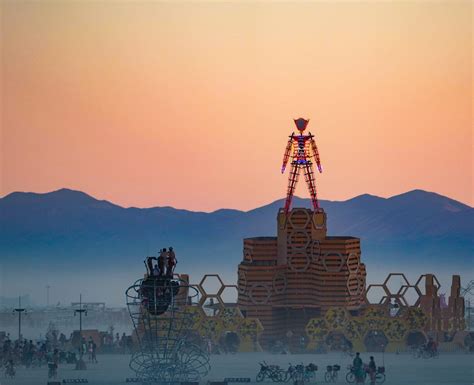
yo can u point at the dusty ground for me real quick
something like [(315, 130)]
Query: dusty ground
[(448, 369)]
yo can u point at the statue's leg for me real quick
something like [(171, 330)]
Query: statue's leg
[(309, 177), (292, 180)]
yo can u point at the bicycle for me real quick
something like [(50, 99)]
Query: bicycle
[(289, 374), (331, 373), (272, 372), (309, 372), (379, 376), (350, 376)]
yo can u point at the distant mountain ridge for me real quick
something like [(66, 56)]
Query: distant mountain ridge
[(67, 228)]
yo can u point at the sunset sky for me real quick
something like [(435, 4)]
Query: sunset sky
[(190, 104)]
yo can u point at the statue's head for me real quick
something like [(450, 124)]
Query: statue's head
[(301, 124)]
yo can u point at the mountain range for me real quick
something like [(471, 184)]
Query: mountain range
[(69, 229)]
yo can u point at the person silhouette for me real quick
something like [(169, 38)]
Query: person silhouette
[(172, 261)]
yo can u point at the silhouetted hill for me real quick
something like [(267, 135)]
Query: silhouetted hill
[(68, 229)]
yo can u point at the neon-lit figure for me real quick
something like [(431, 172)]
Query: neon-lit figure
[(301, 148)]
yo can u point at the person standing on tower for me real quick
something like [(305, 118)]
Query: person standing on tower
[(171, 262), (162, 261), (301, 148), (149, 264)]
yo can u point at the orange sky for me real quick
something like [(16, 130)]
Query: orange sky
[(190, 104)]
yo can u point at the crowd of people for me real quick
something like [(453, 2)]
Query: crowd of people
[(122, 344), (56, 349), (31, 354)]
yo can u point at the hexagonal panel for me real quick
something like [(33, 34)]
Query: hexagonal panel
[(229, 294), (231, 318), (395, 302), (396, 329), (336, 317), (353, 285), (395, 281), (319, 220), (260, 293), (361, 284), (280, 282), (211, 284), (242, 281), (375, 294), (250, 328), (355, 328), (299, 239), (333, 265), (315, 250), (353, 262), (411, 294), (210, 327), (299, 219), (231, 312), (299, 261), (421, 282), (416, 318), (195, 314), (211, 305), (317, 328)]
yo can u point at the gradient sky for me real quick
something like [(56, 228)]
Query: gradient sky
[(190, 104)]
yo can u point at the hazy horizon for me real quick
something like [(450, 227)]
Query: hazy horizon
[(231, 208), (66, 288)]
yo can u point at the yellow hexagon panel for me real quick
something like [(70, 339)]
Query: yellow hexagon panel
[(336, 317), (317, 329), (231, 318), (355, 328), (396, 329)]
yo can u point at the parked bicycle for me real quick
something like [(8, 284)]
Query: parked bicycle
[(310, 372), (273, 372), (289, 374), (331, 373)]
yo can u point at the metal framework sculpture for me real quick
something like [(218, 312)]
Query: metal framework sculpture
[(301, 148), (160, 311)]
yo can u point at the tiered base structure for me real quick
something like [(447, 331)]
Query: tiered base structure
[(287, 280)]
